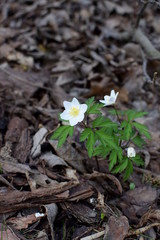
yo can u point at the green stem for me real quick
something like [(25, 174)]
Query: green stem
[(120, 142), (117, 115)]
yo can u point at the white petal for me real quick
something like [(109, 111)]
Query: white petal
[(112, 93), (80, 117), (102, 101), (83, 108), (73, 121), (106, 98), (75, 103), (65, 115), (67, 104), (116, 95)]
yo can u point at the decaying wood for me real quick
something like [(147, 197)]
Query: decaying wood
[(16, 200)]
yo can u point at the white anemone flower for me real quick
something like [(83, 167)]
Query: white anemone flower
[(110, 100), (74, 111), (131, 152)]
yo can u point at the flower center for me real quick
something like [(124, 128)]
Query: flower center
[(74, 111)]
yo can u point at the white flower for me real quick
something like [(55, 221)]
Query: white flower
[(74, 111), (131, 152), (109, 100)]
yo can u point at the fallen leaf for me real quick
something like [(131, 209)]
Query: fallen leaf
[(51, 212), (118, 228), (20, 223), (53, 160), (38, 139)]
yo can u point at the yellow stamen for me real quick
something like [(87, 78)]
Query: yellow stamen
[(74, 111)]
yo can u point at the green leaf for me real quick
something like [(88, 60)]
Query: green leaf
[(90, 143), (89, 102), (103, 122), (142, 129), (121, 167), (71, 131), (62, 133), (85, 134), (106, 139), (138, 160), (58, 132), (101, 150), (127, 130), (95, 108), (96, 122), (132, 114), (138, 141), (124, 124), (128, 170), (113, 159)]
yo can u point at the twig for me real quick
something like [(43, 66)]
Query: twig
[(2, 179), (94, 236), (140, 14), (142, 230)]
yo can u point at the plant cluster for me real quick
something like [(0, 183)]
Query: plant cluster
[(112, 140)]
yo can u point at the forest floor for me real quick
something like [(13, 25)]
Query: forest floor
[(50, 52)]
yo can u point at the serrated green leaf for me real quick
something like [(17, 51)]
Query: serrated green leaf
[(124, 124), (127, 131), (62, 138), (128, 170), (85, 134), (90, 143), (132, 114), (112, 159), (138, 160), (138, 141), (95, 109), (105, 139), (58, 132), (89, 102), (96, 122), (103, 122), (142, 129), (62, 133), (121, 167), (101, 151), (71, 131)]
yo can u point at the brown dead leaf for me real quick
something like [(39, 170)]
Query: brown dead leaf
[(22, 148), (6, 33), (118, 228), (99, 176), (136, 202), (15, 127), (51, 212), (53, 160), (26, 82), (37, 179), (70, 155), (38, 139), (8, 52), (20, 223), (81, 212), (7, 233), (152, 215)]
